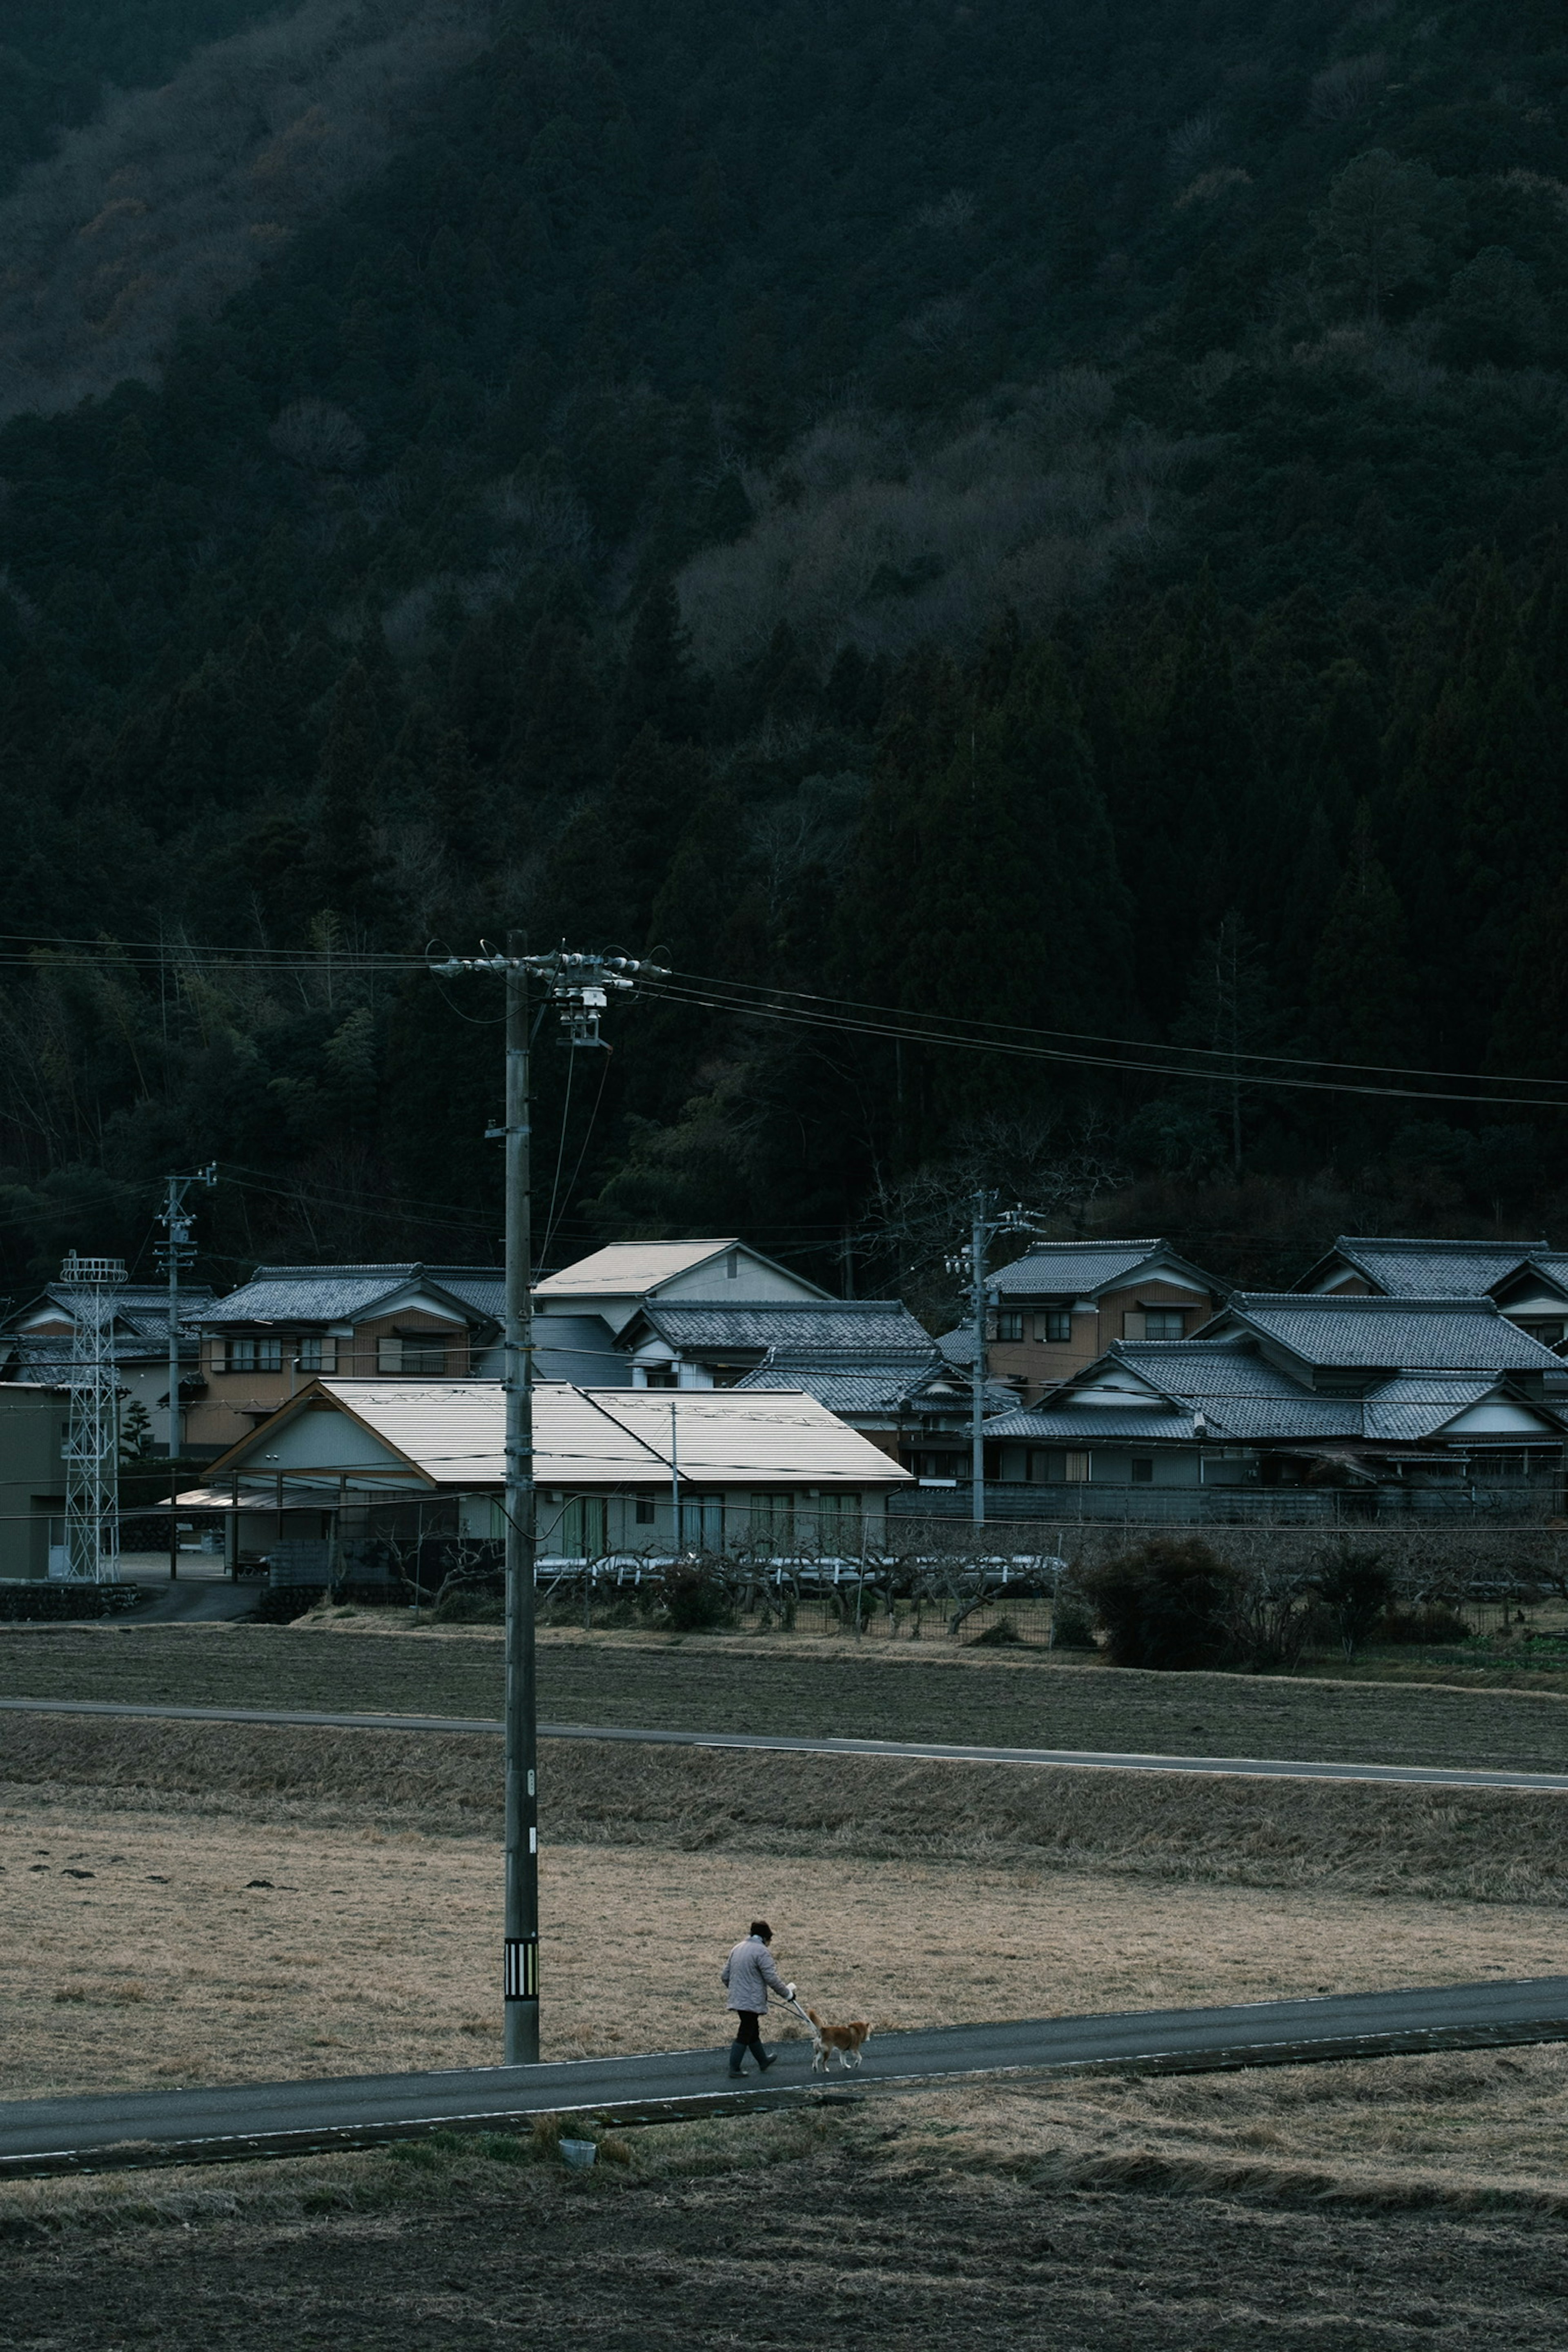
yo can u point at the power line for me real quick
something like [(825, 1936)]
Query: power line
[(904, 1032)]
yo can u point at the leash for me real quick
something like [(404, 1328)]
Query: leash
[(791, 2003)]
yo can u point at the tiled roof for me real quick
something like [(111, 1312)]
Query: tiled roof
[(339, 1294), (1104, 1421), (1060, 1269), (958, 1346), (872, 1325), (1441, 1269), (1452, 1334), (1244, 1398), (852, 1383)]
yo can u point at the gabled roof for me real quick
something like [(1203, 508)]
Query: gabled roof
[(1322, 1329), (875, 1324), (1408, 1268), (632, 1269), (347, 1294), (1083, 1269), (853, 1381), (141, 1312), (450, 1434), (1239, 1396)]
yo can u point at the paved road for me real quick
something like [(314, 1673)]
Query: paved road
[(150, 2127), (1087, 1759), (195, 1601)]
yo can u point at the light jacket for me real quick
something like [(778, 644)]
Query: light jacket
[(748, 1972)]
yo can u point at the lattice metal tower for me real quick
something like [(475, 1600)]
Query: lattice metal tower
[(92, 1441)]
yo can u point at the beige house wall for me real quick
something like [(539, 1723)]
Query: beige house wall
[(236, 1402), (1039, 1364)]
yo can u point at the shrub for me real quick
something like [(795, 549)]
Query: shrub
[(470, 1605), (281, 1603), (1164, 1603), (1354, 1592), (997, 1636), (695, 1598), (1072, 1627), (1436, 1623)]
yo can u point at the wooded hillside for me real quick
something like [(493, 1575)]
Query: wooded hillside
[(1053, 516)]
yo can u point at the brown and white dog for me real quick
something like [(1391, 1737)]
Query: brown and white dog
[(849, 2040)]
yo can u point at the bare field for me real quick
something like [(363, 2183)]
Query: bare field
[(1334, 2208), (1481, 1845), (223, 1903), (822, 1688)]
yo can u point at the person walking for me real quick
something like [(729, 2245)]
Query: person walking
[(750, 1973)]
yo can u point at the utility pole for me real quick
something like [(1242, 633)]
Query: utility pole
[(579, 986), (985, 1221), (177, 1252)]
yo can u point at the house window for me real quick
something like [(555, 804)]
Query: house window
[(579, 1532), (1549, 1334), (318, 1356), (838, 1523), (1163, 1323), (773, 1520), (253, 1356), (1054, 1467), (659, 1376), (1009, 1327), (1053, 1326), (413, 1354), (645, 1508), (732, 1266), (1142, 1470), (937, 1465), (702, 1522)]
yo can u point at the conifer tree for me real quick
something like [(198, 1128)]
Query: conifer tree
[(660, 686), (1363, 990), (347, 866)]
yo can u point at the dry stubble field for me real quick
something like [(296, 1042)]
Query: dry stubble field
[(188, 1902)]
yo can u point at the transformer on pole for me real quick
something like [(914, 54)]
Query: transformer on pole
[(579, 987), (92, 1440)]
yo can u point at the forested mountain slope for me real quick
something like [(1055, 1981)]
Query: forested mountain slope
[(1053, 512)]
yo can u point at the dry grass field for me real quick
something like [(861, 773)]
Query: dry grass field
[(798, 1687), (189, 1903)]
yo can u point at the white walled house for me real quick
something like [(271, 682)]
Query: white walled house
[(773, 1468)]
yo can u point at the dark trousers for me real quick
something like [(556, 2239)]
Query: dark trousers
[(748, 2027)]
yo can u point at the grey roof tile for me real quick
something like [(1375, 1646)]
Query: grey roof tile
[(870, 1325), (1059, 1269), (1074, 1429), (337, 1294), (1446, 1334), (1407, 1268)]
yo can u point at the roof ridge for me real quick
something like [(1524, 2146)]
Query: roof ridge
[(1307, 1301), (1447, 1242)]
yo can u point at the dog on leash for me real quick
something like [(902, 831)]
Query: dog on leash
[(849, 2040)]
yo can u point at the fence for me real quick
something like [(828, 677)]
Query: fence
[(1523, 1502)]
